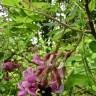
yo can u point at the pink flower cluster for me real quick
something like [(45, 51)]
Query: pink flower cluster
[(34, 79), (9, 66), (29, 84)]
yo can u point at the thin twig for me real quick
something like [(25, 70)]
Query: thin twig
[(50, 17)]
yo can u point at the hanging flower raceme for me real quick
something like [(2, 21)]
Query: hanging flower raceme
[(38, 79)]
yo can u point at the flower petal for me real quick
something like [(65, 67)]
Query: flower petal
[(60, 89), (29, 75), (61, 71), (54, 86), (22, 93), (26, 84), (20, 86), (32, 91), (37, 60)]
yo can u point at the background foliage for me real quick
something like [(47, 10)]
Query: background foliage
[(43, 26)]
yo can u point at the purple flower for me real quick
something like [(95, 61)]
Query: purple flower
[(10, 66), (38, 79), (29, 75), (56, 83), (27, 88), (61, 71), (55, 88), (39, 70), (37, 60), (32, 91), (22, 93), (28, 85)]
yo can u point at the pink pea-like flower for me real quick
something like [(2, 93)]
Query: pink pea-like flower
[(29, 75), (34, 79), (10, 66), (29, 85), (37, 60), (56, 85)]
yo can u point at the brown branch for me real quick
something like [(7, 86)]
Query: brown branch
[(58, 21), (90, 21), (51, 18)]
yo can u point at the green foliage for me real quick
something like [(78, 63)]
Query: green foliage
[(92, 5), (53, 29), (76, 80), (11, 3), (92, 46)]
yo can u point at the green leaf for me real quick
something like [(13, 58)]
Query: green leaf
[(1, 73), (92, 5), (1, 55), (58, 34), (72, 14), (11, 2), (76, 79), (92, 46), (40, 4)]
